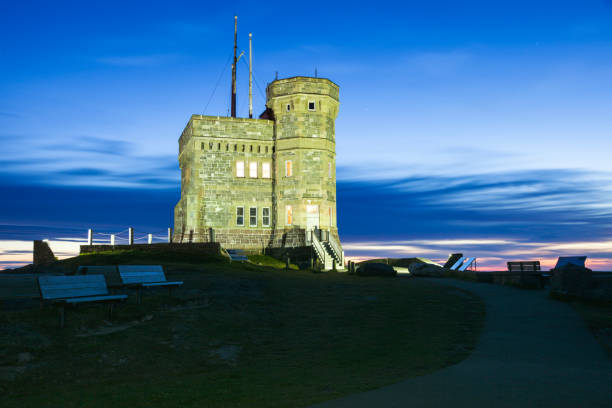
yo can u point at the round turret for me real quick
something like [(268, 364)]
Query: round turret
[(305, 110)]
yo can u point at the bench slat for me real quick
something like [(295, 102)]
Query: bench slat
[(58, 287), (178, 283), (96, 298), (136, 274), (140, 268)]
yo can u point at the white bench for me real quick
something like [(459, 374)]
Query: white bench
[(237, 255), (74, 290), (145, 277)]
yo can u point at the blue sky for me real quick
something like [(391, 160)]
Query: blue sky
[(472, 126)]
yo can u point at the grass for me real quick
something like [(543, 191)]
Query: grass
[(264, 260), (236, 335), (598, 317)]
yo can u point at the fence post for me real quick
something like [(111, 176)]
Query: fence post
[(130, 236), (169, 235), (150, 238), (113, 239), (90, 237)]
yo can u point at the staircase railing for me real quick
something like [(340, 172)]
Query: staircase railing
[(336, 249), (320, 251)]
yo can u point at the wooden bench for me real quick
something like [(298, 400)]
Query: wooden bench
[(145, 277), (524, 266), (74, 290), (530, 273)]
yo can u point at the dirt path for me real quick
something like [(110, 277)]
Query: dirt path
[(533, 352)]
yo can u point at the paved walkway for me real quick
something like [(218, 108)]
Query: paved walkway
[(533, 352)]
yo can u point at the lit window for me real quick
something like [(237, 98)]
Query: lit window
[(265, 216), (253, 169), (288, 168), (265, 170), (289, 211), (239, 169), (311, 106), (329, 169), (253, 216), (239, 215)]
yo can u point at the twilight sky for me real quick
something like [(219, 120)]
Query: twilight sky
[(464, 126)]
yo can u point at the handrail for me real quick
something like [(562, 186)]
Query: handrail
[(335, 247), (316, 244)]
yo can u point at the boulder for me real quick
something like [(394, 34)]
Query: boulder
[(42, 253), (375, 269), (571, 280), (426, 269)]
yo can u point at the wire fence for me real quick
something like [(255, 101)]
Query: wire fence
[(123, 237)]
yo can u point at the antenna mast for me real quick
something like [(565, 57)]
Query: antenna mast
[(234, 67), (250, 75)]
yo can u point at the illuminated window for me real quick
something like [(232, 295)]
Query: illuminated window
[(253, 216), (311, 106), (289, 212), (239, 169), (265, 216), (253, 169), (265, 170), (329, 169), (239, 215), (288, 168)]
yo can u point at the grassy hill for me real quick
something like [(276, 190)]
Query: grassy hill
[(236, 335)]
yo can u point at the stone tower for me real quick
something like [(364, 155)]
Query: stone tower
[(305, 110), (264, 183)]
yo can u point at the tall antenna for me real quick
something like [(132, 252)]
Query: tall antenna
[(234, 67), (250, 75)]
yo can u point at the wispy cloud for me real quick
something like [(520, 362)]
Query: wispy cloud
[(500, 216)]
